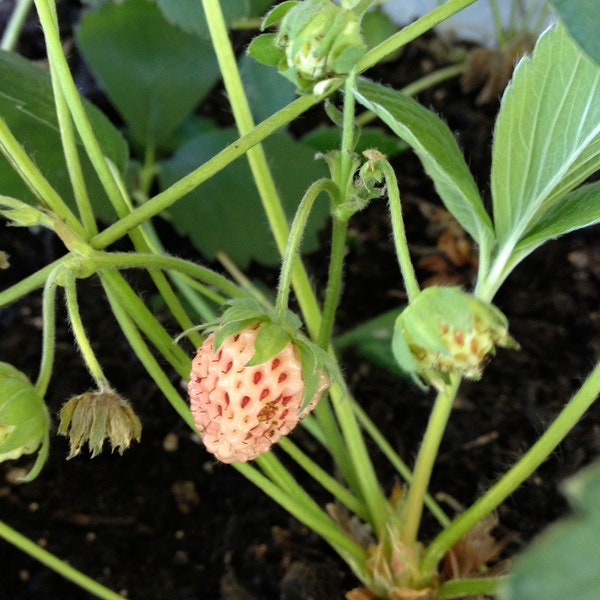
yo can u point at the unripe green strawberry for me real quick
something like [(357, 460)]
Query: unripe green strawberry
[(24, 418), (448, 331), (241, 410)]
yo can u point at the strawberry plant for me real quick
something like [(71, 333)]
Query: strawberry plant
[(258, 366)]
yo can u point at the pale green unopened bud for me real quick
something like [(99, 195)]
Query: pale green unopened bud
[(321, 40), (448, 331), (95, 416), (23, 415)]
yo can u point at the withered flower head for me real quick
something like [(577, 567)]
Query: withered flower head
[(94, 416)]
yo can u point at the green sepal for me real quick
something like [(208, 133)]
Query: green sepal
[(429, 335), (271, 340), (314, 360), (242, 308), (245, 312), (263, 49), (403, 355), (231, 328), (277, 13)]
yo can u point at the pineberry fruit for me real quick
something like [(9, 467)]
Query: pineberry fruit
[(240, 410)]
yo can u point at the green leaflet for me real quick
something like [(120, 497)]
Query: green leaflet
[(580, 208), (547, 137), (563, 561), (437, 149), (189, 16), (225, 213), (153, 72)]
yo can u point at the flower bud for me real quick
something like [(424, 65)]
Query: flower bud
[(447, 331), (95, 416), (23, 415), (321, 40)]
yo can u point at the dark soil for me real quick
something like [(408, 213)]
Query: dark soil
[(165, 521)]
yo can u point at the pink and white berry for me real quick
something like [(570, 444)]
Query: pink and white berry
[(242, 411)]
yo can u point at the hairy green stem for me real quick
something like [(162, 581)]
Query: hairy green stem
[(49, 334), (400, 242), (186, 184), (411, 32), (428, 451), (30, 283), (83, 343), (257, 159), (292, 249), (334, 280), (513, 478), (338, 239), (57, 565), (128, 260)]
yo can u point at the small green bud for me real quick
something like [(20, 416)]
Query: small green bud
[(448, 331), (95, 416), (317, 41), (23, 415)]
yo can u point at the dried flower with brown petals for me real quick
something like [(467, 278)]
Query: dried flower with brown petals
[(95, 416)]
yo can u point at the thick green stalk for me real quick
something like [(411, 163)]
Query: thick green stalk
[(370, 490), (257, 159), (530, 461), (400, 466), (411, 32), (69, 144), (57, 565), (436, 426), (60, 69)]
